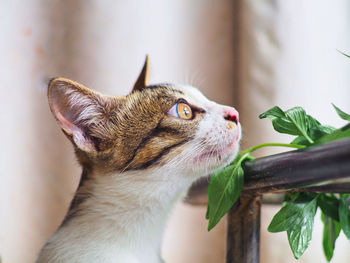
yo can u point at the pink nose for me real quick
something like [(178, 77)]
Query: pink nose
[(231, 114)]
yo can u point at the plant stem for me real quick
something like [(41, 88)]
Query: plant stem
[(271, 144)]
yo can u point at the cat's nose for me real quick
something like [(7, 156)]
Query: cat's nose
[(231, 114)]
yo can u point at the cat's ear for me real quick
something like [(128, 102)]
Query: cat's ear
[(141, 81), (76, 108)]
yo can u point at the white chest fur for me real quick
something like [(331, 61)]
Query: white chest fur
[(122, 220)]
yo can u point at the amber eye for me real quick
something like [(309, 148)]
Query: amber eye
[(184, 111), (181, 110)]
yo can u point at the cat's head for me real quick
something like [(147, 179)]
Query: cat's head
[(162, 126)]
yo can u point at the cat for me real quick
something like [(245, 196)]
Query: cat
[(139, 153)]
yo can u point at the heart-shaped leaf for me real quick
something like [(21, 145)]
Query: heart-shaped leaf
[(300, 235), (297, 218)]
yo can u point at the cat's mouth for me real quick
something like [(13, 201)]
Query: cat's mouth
[(218, 154)]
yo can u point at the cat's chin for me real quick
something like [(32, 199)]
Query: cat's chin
[(228, 151), (216, 159)]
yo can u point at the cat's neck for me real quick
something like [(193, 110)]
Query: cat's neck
[(125, 211), (130, 198)]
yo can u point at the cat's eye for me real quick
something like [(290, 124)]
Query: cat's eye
[(181, 110)]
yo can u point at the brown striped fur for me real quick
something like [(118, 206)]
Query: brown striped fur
[(121, 133)]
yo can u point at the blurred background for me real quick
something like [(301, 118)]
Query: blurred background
[(245, 53)]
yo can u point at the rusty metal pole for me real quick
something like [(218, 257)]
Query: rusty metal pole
[(243, 231)]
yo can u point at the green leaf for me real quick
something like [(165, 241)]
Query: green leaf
[(275, 112), (331, 231), (224, 190), (293, 196), (291, 213), (294, 121), (326, 129), (280, 121), (337, 134), (344, 214), (300, 235), (301, 140), (299, 118), (341, 113), (297, 218), (315, 133), (312, 122), (207, 213), (285, 218), (329, 205)]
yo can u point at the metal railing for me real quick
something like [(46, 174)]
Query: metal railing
[(323, 168)]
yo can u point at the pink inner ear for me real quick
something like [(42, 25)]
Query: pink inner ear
[(77, 134), (65, 124)]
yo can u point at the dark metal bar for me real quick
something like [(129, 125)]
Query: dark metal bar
[(295, 169), (243, 231), (299, 168), (341, 188)]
